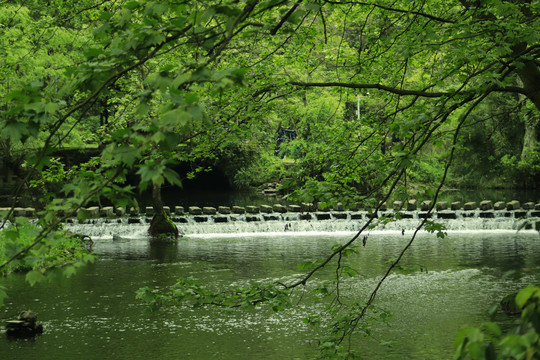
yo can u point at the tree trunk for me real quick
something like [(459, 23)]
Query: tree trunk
[(156, 199), (161, 225)]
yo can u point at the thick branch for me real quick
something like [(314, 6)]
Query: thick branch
[(374, 86)]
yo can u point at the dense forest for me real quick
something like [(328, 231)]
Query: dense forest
[(382, 98)]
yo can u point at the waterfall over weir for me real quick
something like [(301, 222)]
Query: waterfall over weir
[(312, 222)]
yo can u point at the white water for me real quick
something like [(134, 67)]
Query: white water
[(291, 222)]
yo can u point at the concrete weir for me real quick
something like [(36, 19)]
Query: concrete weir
[(310, 212)]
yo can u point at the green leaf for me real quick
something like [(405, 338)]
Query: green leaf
[(69, 271), (127, 154), (11, 247), (493, 328), (131, 5), (176, 117), (524, 295), (34, 277), (83, 214), (172, 177), (13, 131)]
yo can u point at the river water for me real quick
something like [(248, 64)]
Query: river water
[(94, 314)]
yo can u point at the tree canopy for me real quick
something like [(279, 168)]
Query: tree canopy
[(379, 92)]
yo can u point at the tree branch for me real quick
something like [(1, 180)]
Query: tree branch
[(374, 86), (285, 17)]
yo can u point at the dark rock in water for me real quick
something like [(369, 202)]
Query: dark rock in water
[(25, 326)]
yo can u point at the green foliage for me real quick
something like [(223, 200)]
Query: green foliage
[(520, 342), (57, 250), (525, 172), (437, 228), (155, 84), (188, 292), (266, 168)]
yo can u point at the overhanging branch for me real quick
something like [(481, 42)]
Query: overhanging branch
[(408, 92), (374, 86)]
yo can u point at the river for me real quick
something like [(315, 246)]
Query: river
[(94, 314)]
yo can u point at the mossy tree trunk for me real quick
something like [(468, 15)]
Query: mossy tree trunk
[(161, 224)]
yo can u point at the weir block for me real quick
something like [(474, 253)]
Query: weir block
[(308, 207), (267, 209), (92, 212), (178, 210), (195, 210), (456, 205), (499, 205), (107, 211), (528, 206), (339, 207), (425, 205), (513, 205), (294, 208), (208, 210), (486, 205), (443, 205), (470, 205), (252, 209), (225, 210), (238, 210)]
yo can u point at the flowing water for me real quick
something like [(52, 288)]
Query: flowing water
[(94, 314)]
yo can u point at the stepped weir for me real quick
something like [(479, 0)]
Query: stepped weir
[(116, 223)]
